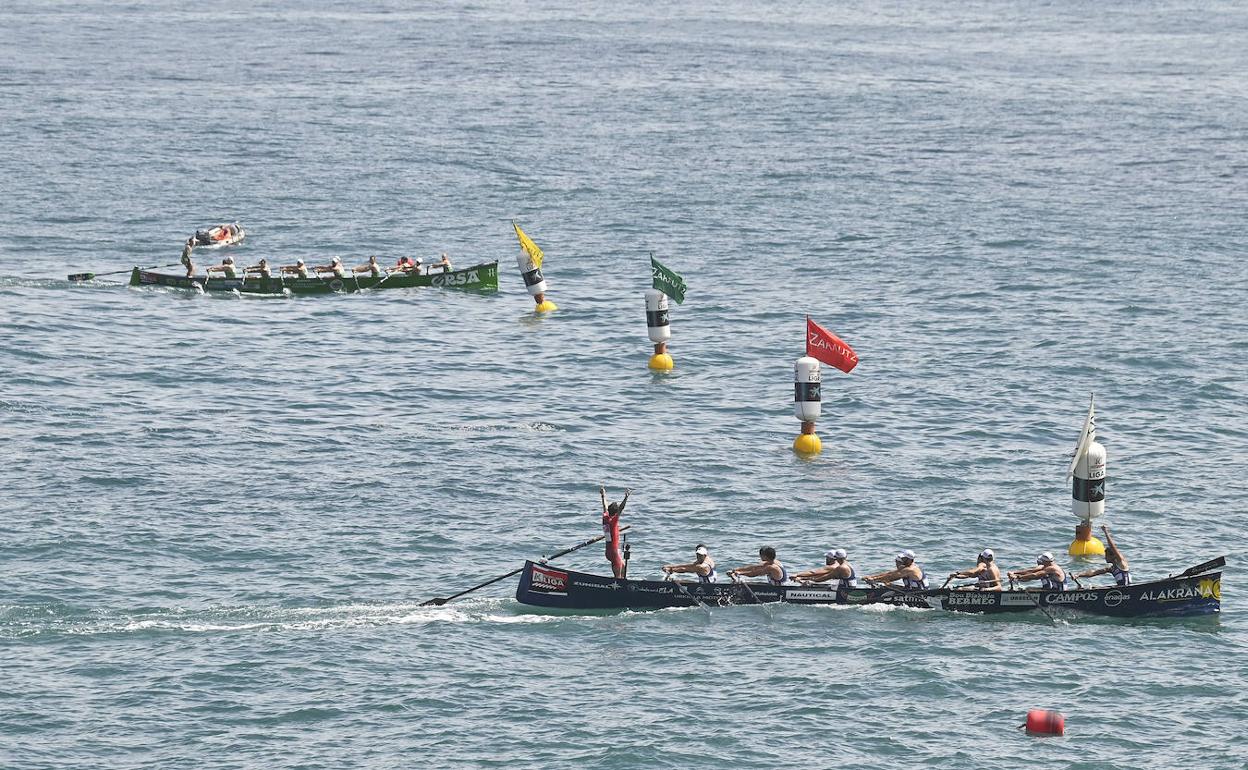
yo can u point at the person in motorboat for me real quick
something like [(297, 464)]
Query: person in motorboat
[(1115, 563), (702, 565), (986, 572), (371, 267), (186, 257), (405, 265), (299, 268), (1051, 576), (768, 566), (262, 270), (611, 529), (836, 567), (227, 266), (904, 569), (334, 266)]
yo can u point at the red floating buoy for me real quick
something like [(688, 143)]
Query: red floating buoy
[(1044, 722)]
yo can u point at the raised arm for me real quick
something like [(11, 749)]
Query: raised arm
[(624, 502), (1109, 538)]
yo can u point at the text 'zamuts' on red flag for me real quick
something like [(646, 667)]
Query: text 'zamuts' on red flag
[(829, 348)]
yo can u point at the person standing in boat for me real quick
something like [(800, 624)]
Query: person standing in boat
[(904, 569), (1115, 563), (371, 267), (1051, 576), (611, 528), (702, 565), (768, 566), (186, 257), (986, 572), (836, 567), (227, 266)]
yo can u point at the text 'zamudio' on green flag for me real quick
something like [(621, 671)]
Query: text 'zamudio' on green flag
[(667, 281)]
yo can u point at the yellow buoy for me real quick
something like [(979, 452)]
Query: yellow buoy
[(661, 362), (807, 444), (1085, 544), (545, 306)]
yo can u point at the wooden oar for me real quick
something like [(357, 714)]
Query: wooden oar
[(1035, 600), (687, 592), (439, 602), (89, 276)]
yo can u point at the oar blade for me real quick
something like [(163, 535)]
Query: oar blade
[(434, 603), (81, 276), (1212, 564)]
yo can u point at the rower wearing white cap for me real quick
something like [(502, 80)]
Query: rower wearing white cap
[(702, 565), (226, 266), (334, 266), (299, 268), (1051, 576), (905, 569), (836, 567), (985, 570)]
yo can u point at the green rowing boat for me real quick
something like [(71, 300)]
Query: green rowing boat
[(483, 277)]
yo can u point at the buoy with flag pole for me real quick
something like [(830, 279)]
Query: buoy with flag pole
[(821, 345), (658, 324), (1087, 468), (530, 263)]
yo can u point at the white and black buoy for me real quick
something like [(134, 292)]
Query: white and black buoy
[(658, 326), (1087, 491), (807, 406)]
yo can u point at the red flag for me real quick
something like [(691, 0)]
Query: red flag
[(829, 348)]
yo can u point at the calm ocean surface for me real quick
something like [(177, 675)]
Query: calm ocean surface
[(219, 516)]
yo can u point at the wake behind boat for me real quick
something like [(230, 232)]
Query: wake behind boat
[(1196, 591), (483, 277)]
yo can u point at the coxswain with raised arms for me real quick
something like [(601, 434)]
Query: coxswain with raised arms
[(768, 566), (1116, 563), (836, 567), (702, 565), (986, 572), (904, 569), (611, 528), (1051, 576)]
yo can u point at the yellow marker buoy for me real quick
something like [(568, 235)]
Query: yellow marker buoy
[(807, 381), (529, 261), (1085, 544), (1087, 470), (658, 326)]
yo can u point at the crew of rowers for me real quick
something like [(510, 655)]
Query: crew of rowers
[(335, 269), (906, 573)]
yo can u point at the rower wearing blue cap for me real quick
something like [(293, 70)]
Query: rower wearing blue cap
[(986, 571), (836, 567)]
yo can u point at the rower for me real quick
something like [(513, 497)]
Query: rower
[(299, 268), (186, 257), (836, 567), (611, 529), (261, 269), (768, 566), (1051, 576), (444, 263), (227, 266), (334, 266), (702, 565), (371, 267), (986, 572), (904, 569), (1116, 563)]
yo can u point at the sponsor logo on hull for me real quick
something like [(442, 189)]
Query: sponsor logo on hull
[(548, 581)]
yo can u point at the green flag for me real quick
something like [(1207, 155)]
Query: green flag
[(667, 282)]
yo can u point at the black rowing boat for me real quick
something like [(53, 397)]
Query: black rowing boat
[(1196, 591)]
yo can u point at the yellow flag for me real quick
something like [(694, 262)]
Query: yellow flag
[(530, 248)]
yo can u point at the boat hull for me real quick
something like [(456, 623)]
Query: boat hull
[(215, 237), (483, 277), (542, 585)]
